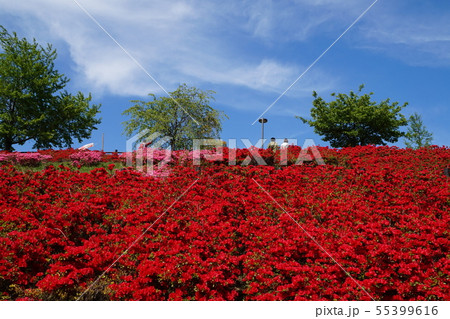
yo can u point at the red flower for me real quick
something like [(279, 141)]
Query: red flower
[(380, 212)]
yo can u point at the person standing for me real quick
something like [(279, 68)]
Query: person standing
[(273, 144), (285, 144)]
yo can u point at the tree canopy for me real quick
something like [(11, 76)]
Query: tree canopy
[(33, 104), (353, 119), (183, 116), (417, 135)]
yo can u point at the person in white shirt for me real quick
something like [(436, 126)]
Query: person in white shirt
[(285, 144)]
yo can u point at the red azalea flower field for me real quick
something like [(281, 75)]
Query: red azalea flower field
[(372, 223)]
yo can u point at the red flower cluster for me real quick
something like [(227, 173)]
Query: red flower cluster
[(59, 155), (372, 223)]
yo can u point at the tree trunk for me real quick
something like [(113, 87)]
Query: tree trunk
[(8, 144)]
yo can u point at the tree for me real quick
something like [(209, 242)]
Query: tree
[(417, 135), (352, 120), (183, 116), (33, 104)]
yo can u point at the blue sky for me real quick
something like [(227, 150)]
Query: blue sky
[(249, 52)]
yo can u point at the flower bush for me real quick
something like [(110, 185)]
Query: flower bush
[(59, 155), (232, 232), (86, 158), (24, 159), (4, 157)]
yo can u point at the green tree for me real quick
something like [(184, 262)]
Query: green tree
[(417, 135), (33, 104), (184, 116), (354, 119)]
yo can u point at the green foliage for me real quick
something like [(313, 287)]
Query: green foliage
[(417, 135), (33, 104), (184, 116), (352, 120)]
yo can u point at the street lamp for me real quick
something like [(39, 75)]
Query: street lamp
[(262, 121)]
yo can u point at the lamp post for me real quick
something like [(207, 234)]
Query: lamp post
[(262, 121)]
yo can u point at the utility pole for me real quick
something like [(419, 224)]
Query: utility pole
[(262, 121), (103, 142)]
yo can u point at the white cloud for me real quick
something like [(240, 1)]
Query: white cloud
[(267, 75), (198, 41), (417, 38), (300, 20), (176, 41)]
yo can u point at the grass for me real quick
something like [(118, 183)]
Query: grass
[(83, 169)]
